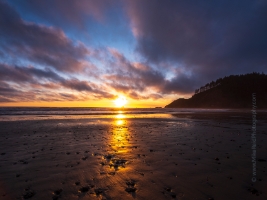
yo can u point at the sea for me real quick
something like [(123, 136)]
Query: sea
[(33, 113)]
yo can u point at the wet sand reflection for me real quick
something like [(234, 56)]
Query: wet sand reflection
[(120, 140)]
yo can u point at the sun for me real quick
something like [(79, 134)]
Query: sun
[(120, 101)]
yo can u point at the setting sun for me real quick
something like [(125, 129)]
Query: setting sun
[(120, 101)]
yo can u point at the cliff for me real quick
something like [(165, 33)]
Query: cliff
[(234, 91)]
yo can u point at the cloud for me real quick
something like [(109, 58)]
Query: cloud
[(131, 77), (28, 83), (209, 39), (26, 74), (77, 85), (4, 100), (141, 81), (67, 12), (47, 46)]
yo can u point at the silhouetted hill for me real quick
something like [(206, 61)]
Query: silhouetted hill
[(234, 91)]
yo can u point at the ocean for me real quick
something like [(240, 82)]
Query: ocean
[(31, 113)]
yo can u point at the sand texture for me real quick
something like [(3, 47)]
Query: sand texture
[(186, 156)]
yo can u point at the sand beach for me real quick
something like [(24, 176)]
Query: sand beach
[(187, 155)]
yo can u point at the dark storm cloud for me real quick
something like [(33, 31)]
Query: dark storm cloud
[(210, 38), (47, 46)]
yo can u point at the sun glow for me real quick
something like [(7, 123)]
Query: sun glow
[(120, 101)]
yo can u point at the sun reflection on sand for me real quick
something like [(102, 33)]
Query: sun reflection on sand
[(120, 116), (120, 141), (119, 122)]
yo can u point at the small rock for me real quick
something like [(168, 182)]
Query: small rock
[(84, 189), (98, 191), (168, 189), (173, 195), (57, 192), (130, 183), (130, 190), (29, 194), (84, 158)]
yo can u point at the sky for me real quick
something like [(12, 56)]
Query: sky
[(88, 53)]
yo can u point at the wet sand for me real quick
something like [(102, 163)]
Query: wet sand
[(186, 156)]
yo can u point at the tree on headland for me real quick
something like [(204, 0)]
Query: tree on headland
[(229, 92)]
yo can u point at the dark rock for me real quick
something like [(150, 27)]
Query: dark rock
[(98, 191), (130, 183), (84, 158), (173, 195), (29, 194), (57, 192), (130, 190), (84, 189), (168, 189)]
